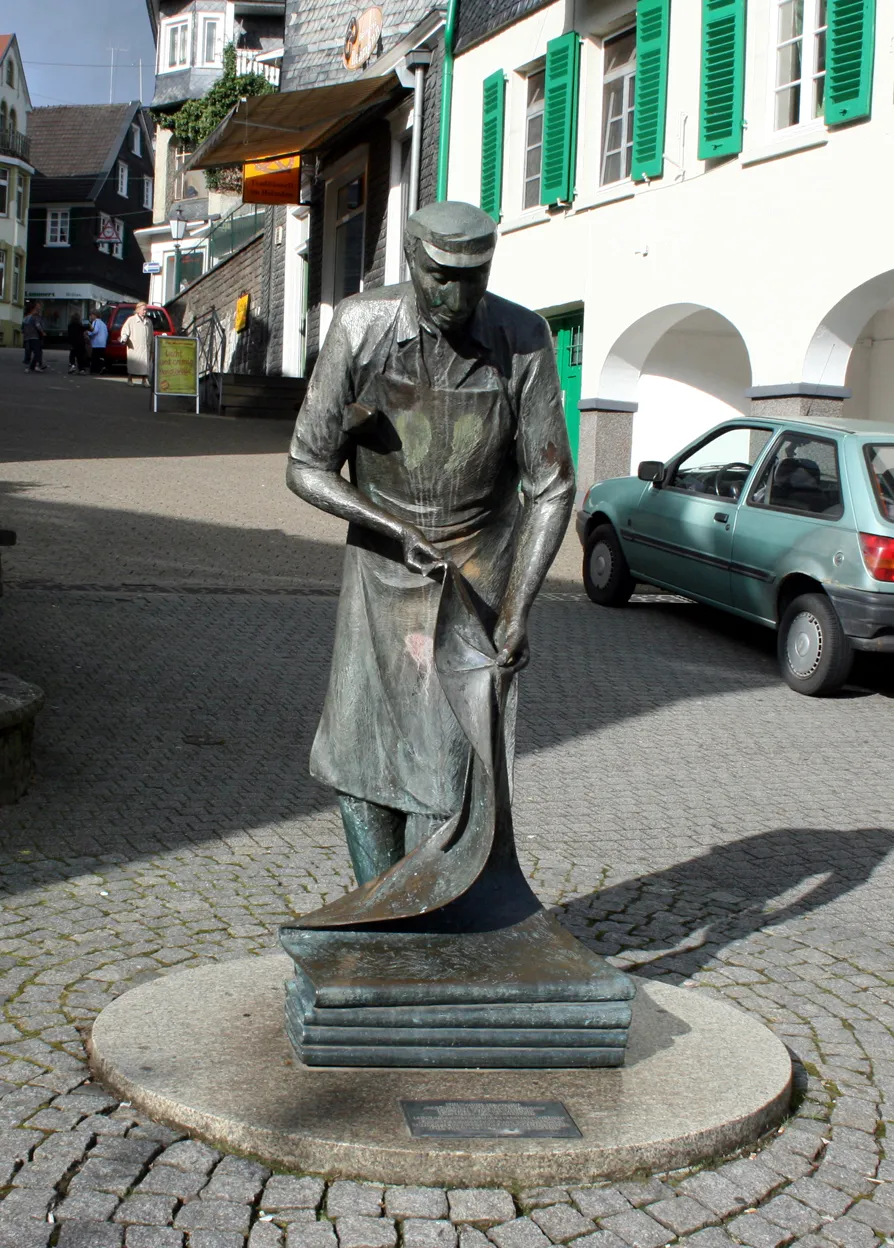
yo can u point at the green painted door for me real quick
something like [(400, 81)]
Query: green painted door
[(568, 338)]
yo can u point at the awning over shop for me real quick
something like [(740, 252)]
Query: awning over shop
[(290, 121)]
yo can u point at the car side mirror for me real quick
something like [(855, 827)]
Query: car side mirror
[(651, 470)]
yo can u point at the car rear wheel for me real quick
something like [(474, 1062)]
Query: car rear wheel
[(607, 578), (814, 652)]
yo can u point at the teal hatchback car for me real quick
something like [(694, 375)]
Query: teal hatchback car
[(788, 523)]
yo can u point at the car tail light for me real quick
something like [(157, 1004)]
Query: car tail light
[(878, 555)]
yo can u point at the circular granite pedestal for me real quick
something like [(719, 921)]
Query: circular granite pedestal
[(206, 1050)]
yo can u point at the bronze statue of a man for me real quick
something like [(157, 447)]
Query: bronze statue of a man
[(444, 402)]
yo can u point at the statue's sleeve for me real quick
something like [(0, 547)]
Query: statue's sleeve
[(319, 440), (542, 447)]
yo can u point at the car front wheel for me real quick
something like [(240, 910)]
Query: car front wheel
[(814, 652), (607, 577)]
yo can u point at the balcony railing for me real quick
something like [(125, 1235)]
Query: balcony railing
[(240, 227), (247, 64), (14, 144)]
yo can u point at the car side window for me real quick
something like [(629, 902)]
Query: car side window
[(159, 324), (802, 476), (719, 466)]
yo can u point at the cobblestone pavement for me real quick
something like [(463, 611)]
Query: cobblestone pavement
[(687, 814)]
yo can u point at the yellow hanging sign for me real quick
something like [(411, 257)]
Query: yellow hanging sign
[(275, 181)]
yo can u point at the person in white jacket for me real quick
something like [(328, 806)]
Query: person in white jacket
[(138, 336)]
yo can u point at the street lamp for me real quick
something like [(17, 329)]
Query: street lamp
[(177, 222)]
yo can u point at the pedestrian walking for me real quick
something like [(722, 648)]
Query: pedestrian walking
[(138, 337), (33, 334), (99, 337), (77, 344)]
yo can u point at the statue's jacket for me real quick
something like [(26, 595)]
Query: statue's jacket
[(456, 438)]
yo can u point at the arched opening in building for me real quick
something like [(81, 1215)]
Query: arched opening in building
[(687, 367), (854, 346)]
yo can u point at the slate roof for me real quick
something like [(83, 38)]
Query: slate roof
[(74, 146)]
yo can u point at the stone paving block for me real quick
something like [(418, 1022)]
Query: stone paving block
[(562, 1223), (147, 1210), (599, 1202), (714, 1192), (870, 1213), (266, 1235), (600, 1239), (480, 1207), (229, 1186), (752, 1180), (90, 1235), (311, 1235), (168, 1181), (757, 1232), (346, 1199), (86, 1205), (216, 1239), (284, 1192), (820, 1196), (242, 1168), (428, 1233), (644, 1192), (106, 1175), (191, 1155), (541, 1197), (859, 1159), (24, 1234), (357, 1231), (152, 1237), (470, 1238), (681, 1214), (128, 1151), (27, 1202), (847, 1233), (638, 1229), (519, 1233), (791, 1214), (213, 1215), (712, 1237), (415, 1202)]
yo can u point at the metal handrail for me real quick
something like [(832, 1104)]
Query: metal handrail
[(12, 143), (211, 337), (234, 231)]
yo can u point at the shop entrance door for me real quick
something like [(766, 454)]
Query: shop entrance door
[(568, 339)]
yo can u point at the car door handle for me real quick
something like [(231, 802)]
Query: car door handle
[(722, 517)]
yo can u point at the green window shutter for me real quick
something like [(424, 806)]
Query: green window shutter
[(723, 78), (492, 126), (652, 32), (849, 55), (560, 119)]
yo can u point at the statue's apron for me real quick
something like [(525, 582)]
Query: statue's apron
[(442, 459)]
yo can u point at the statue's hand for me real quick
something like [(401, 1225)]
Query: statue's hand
[(511, 642), (419, 554)]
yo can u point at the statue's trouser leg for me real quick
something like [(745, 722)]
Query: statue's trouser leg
[(421, 826), (375, 836)]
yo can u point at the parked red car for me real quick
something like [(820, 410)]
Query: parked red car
[(115, 314)]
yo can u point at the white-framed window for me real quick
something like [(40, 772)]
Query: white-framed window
[(118, 248), (58, 227), (122, 178), (135, 143), (618, 87), (211, 48), (174, 45), (10, 73), (17, 277), (4, 192), (2, 274), (148, 192), (20, 196), (535, 99), (344, 227), (800, 62)]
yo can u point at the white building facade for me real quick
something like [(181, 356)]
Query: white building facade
[(696, 194), (15, 182)]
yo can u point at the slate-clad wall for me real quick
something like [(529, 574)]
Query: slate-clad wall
[(315, 38), (480, 19)]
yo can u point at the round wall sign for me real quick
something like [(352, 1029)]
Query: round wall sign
[(362, 38)]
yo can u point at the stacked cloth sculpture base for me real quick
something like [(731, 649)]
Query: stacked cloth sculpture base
[(449, 959)]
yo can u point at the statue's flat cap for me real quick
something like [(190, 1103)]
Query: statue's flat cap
[(454, 234)]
